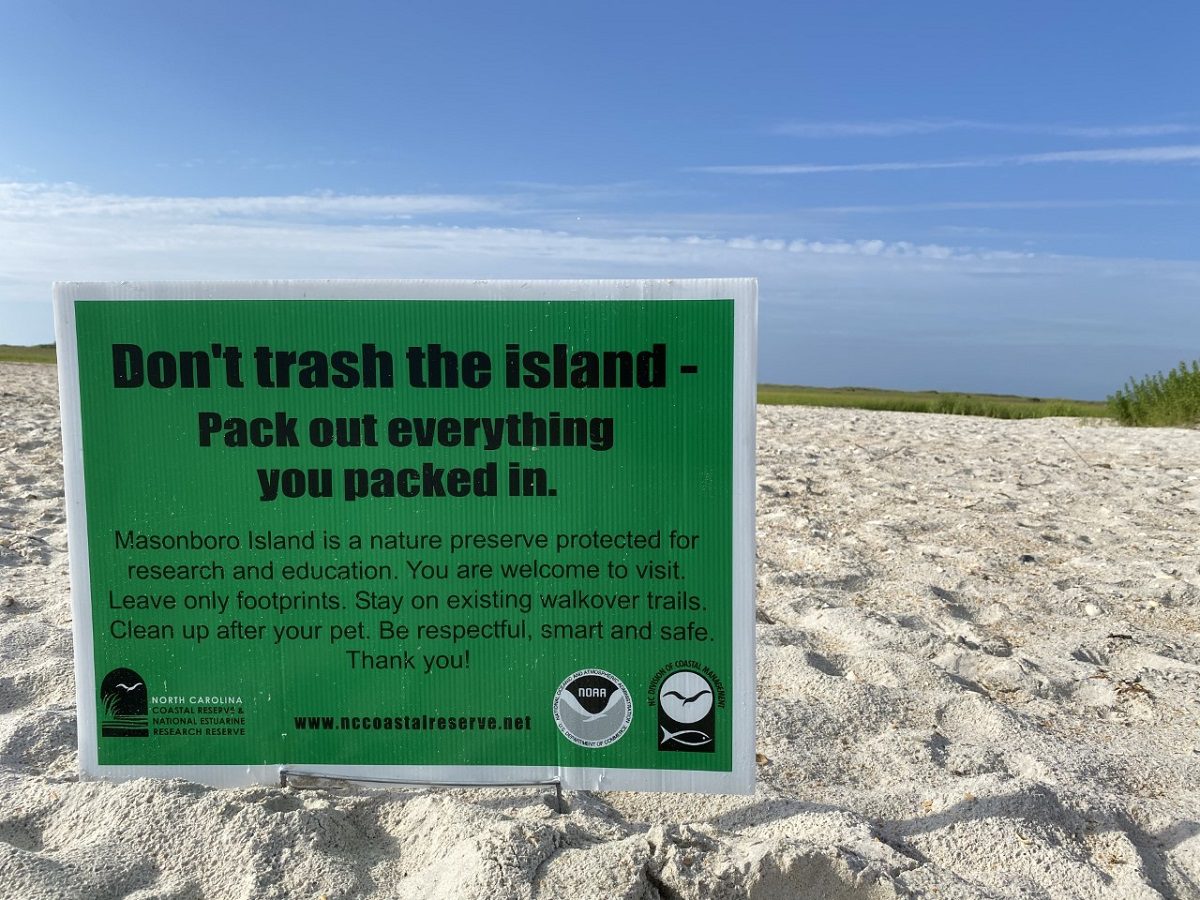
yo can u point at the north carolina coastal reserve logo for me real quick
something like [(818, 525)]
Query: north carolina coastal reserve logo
[(124, 710), (592, 708)]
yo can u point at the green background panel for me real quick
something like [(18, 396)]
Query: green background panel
[(668, 470)]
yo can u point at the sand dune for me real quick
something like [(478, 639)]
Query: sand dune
[(979, 676)]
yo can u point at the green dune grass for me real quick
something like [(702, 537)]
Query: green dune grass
[(39, 353), (998, 406), (1171, 399)]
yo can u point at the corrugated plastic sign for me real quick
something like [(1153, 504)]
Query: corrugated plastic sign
[(437, 531)]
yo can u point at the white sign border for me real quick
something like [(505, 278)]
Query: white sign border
[(743, 292)]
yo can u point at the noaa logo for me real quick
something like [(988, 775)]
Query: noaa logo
[(686, 716), (592, 708)]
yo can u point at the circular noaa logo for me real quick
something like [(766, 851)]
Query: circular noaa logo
[(592, 708)]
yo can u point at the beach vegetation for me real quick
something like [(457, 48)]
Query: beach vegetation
[(38, 353), (996, 406), (1170, 399)]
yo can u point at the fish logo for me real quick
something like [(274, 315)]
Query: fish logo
[(686, 714), (688, 737), (592, 708)]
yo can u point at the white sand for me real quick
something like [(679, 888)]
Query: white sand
[(937, 717)]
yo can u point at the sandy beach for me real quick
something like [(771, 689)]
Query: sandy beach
[(978, 677)]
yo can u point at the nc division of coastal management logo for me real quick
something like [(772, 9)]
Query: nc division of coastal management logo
[(686, 713), (592, 708), (124, 711)]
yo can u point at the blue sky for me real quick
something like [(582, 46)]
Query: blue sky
[(998, 197)]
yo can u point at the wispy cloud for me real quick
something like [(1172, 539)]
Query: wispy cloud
[(825, 168), (994, 205), (47, 224), (1178, 153), (40, 200), (1169, 154), (904, 127)]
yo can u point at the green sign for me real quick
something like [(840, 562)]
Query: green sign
[(443, 531)]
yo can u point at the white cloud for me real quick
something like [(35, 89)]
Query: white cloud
[(904, 127), (1169, 154), (67, 233), (82, 229), (824, 168), (25, 200), (1180, 153), (994, 205)]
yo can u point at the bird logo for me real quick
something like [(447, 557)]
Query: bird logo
[(686, 700), (686, 697)]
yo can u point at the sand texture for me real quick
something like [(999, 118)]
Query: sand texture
[(978, 676)]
